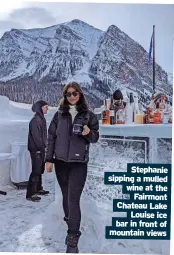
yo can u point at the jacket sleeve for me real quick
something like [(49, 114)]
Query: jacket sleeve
[(36, 132), (93, 125), (51, 139)]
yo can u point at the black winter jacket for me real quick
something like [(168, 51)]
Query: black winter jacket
[(37, 135), (66, 146)]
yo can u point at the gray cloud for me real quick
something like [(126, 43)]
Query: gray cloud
[(32, 16), (27, 18)]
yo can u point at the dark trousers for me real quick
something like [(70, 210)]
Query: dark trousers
[(71, 178), (35, 180)]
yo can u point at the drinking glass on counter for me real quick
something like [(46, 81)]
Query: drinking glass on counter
[(139, 118)]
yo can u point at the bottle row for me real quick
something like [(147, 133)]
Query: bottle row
[(158, 111), (119, 111)]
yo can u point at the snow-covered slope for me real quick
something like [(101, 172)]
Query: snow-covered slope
[(42, 52), (100, 60), (10, 110)]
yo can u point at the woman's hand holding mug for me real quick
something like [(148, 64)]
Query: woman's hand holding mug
[(86, 130)]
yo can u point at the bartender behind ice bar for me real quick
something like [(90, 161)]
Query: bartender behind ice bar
[(118, 98), (119, 101), (133, 113)]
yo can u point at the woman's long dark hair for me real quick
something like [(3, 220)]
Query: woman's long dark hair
[(81, 104)]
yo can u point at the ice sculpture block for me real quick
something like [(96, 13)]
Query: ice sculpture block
[(137, 130)]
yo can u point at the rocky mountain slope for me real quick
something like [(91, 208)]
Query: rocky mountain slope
[(36, 63)]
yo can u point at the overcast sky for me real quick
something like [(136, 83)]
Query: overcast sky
[(134, 19)]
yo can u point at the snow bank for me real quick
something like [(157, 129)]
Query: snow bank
[(24, 111), (12, 131), (14, 120), (18, 111), (4, 106), (5, 163)]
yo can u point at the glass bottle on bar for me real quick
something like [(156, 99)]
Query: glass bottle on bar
[(162, 104), (112, 112), (157, 115), (166, 114), (170, 112), (152, 109), (132, 105), (105, 114), (120, 115), (129, 110), (152, 103)]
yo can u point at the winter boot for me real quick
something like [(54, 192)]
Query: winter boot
[(34, 198), (43, 192), (72, 242), (66, 220)]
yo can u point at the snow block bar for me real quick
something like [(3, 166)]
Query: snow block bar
[(149, 205), (137, 130), (5, 165)]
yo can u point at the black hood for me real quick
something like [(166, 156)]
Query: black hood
[(117, 95), (37, 107)]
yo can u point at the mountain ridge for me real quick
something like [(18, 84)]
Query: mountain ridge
[(99, 60)]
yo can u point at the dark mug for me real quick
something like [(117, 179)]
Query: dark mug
[(77, 129)]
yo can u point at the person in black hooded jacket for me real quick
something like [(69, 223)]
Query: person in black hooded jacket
[(37, 141), (70, 133)]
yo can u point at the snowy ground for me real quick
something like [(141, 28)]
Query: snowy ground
[(38, 227), (21, 221)]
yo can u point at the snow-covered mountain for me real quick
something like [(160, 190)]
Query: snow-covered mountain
[(37, 62)]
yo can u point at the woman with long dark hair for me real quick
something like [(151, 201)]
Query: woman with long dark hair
[(70, 133)]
